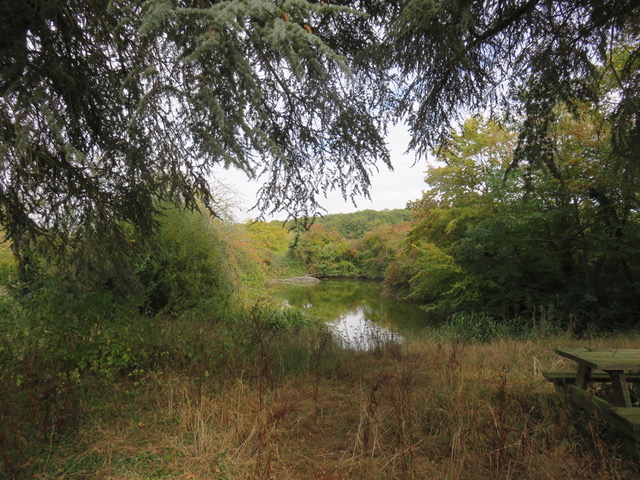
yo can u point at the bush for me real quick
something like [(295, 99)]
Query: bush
[(185, 266)]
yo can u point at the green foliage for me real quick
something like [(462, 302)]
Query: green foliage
[(326, 253), (186, 265), (471, 328), (8, 265), (399, 273), (274, 237), (248, 262), (425, 273), (360, 244), (270, 247), (378, 248), (280, 319), (356, 225), (435, 273), (185, 272), (565, 243), (289, 265)]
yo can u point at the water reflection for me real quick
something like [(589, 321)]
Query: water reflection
[(358, 313), (355, 331)]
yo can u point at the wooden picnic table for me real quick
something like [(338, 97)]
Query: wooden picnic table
[(617, 363), (617, 366)]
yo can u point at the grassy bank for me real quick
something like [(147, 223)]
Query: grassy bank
[(299, 407)]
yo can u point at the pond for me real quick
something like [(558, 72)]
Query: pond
[(357, 311)]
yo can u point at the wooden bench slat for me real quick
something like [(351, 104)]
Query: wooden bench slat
[(562, 377), (627, 421), (629, 417), (604, 359), (588, 401)]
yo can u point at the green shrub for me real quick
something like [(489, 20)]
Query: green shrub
[(186, 266)]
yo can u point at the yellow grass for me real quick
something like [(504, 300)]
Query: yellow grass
[(428, 410)]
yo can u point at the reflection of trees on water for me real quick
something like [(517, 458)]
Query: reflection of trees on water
[(357, 308)]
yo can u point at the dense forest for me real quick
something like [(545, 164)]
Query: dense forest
[(520, 241), (138, 338), (360, 244)]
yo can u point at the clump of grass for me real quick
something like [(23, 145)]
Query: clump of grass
[(479, 327)]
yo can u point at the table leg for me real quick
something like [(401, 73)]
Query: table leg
[(582, 376), (621, 395)]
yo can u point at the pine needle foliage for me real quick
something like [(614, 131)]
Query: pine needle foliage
[(109, 107), (524, 57)]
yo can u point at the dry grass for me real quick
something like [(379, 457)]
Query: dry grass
[(428, 411)]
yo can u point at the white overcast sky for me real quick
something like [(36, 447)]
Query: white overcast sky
[(389, 189)]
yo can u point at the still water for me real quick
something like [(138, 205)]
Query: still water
[(357, 311)]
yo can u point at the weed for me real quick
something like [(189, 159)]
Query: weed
[(370, 421), (323, 341), (468, 328), (400, 393)]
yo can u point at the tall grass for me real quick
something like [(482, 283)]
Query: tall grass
[(441, 410), (479, 327)]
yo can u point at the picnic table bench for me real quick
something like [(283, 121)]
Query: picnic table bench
[(620, 368)]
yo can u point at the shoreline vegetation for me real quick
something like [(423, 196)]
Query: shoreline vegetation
[(305, 280), (138, 339)]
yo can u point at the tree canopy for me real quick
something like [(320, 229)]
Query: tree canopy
[(566, 251), (521, 57), (109, 107)]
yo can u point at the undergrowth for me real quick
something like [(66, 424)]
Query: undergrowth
[(51, 377), (287, 402)]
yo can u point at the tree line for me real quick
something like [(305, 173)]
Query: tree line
[(359, 244), (507, 240), (517, 242)]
